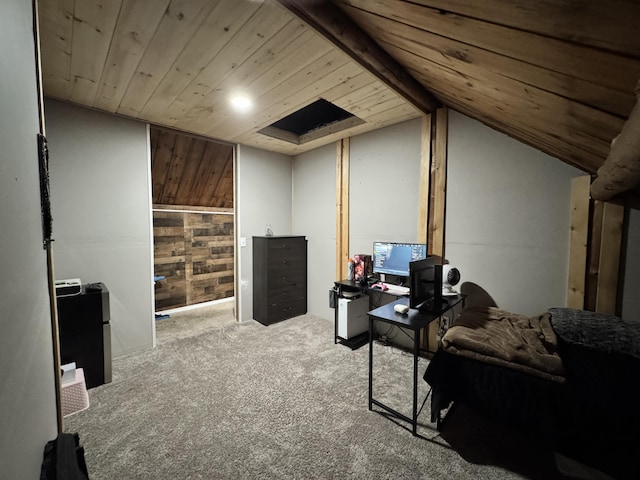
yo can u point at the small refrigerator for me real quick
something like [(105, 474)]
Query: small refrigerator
[(352, 316), (85, 331)]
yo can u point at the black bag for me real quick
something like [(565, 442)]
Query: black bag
[(64, 459)]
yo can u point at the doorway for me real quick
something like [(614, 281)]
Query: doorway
[(193, 219)]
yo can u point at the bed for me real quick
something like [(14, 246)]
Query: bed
[(568, 377)]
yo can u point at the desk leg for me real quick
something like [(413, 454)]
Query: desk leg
[(370, 363), (416, 342)]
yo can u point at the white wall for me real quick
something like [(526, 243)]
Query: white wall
[(384, 186), (101, 200), (508, 210), (264, 193), (27, 391), (314, 215), (383, 192), (508, 217)]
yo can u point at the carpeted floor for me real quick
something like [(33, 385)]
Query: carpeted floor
[(221, 400)]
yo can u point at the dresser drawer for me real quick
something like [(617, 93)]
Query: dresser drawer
[(283, 279), (283, 310), (285, 256), (287, 294), (286, 244)]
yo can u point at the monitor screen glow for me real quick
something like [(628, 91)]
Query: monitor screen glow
[(393, 258)]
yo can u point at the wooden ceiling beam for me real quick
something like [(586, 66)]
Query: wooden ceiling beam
[(331, 22), (621, 170)]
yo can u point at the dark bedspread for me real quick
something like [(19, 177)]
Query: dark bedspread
[(593, 417), (598, 331)]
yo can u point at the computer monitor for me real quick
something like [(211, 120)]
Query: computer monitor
[(425, 284), (392, 258)]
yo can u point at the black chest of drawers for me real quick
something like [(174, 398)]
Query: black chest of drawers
[(279, 278)]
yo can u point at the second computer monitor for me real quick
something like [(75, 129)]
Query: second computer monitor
[(425, 284)]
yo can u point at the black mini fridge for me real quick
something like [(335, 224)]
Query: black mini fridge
[(85, 332)]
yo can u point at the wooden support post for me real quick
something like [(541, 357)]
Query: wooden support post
[(594, 255), (438, 198), (578, 241), (612, 222), (342, 208), (439, 184), (423, 196)]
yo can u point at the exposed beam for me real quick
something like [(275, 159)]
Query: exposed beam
[(621, 170), (331, 22)]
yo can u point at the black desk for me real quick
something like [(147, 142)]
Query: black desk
[(413, 320)]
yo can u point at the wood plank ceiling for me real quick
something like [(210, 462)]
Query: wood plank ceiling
[(189, 171), (175, 63), (556, 74)]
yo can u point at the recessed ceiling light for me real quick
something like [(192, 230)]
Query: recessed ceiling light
[(241, 103)]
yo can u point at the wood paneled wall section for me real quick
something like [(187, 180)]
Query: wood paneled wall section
[(195, 252), (187, 170)]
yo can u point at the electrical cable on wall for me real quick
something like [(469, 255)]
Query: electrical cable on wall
[(45, 194)]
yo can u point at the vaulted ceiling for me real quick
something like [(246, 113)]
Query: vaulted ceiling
[(558, 75)]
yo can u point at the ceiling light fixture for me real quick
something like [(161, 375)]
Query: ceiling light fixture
[(241, 103)]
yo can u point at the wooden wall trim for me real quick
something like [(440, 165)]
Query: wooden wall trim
[(193, 209), (437, 197), (595, 237), (579, 238), (423, 196), (609, 266), (342, 207), (439, 184)]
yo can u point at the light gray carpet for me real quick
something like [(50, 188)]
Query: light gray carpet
[(220, 400)]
